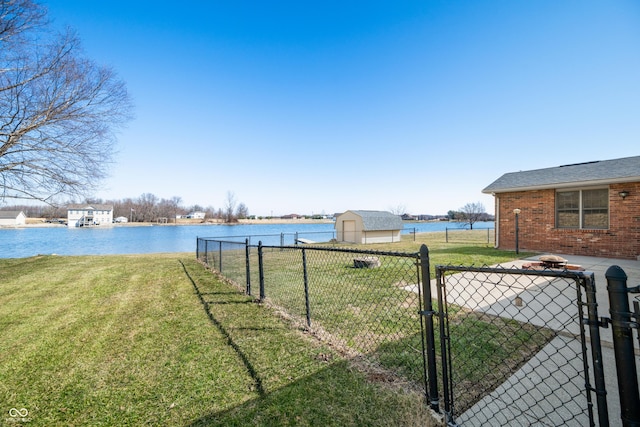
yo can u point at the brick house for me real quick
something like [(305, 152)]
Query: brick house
[(590, 209)]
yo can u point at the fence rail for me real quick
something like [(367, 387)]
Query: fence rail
[(281, 239), (470, 235)]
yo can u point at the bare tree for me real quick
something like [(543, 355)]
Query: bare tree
[(175, 204), (242, 211), (230, 207), (124, 207), (59, 112), (398, 210), (210, 212), (472, 213), (168, 208), (147, 207), (196, 208)]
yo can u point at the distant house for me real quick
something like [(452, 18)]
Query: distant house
[(588, 209), (12, 218), (291, 216), (89, 215), (196, 215), (361, 226)]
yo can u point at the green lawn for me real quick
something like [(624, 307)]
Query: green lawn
[(158, 340)]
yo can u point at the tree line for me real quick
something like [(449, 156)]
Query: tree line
[(146, 208)]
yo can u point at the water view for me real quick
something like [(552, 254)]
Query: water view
[(26, 242)]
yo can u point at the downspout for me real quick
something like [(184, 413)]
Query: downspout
[(497, 221)]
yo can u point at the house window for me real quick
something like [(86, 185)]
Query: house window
[(583, 209)]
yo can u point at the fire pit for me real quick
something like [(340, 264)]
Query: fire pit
[(552, 261)]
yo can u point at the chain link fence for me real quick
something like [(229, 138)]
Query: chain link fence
[(486, 345), (363, 302), (476, 235), (515, 350), (229, 257), (365, 298)]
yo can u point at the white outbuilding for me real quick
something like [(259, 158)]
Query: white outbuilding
[(368, 227), (12, 218)]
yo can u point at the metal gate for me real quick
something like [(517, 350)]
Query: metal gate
[(529, 341)]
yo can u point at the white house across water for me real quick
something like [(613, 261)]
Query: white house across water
[(89, 215)]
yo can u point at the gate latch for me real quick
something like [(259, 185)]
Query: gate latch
[(603, 322)]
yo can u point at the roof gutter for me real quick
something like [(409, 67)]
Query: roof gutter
[(571, 184)]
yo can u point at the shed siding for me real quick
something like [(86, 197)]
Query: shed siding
[(381, 236), (351, 227)]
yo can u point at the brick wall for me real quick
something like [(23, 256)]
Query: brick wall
[(537, 230)]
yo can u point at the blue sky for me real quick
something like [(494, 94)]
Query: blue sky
[(323, 106)]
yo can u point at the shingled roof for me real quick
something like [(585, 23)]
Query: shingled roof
[(601, 172), (9, 214), (379, 220), (95, 207)]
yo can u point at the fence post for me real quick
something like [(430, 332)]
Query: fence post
[(446, 234), (596, 351), (432, 376), (261, 270), (220, 256), (247, 265), (197, 248), (621, 326), (306, 286)]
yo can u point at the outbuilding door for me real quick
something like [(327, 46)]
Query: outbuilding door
[(349, 231)]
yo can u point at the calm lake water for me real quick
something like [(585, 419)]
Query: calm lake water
[(26, 242)]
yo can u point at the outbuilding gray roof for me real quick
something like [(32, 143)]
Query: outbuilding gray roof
[(379, 220), (9, 214), (601, 172)]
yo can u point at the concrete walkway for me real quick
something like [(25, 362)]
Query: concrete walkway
[(546, 394)]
